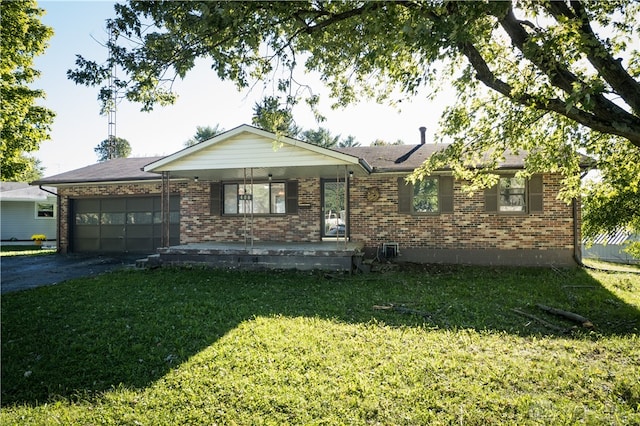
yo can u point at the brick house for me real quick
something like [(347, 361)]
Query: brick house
[(248, 184)]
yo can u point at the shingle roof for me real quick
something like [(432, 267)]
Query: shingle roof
[(22, 191), (401, 158), (386, 158), (118, 169)]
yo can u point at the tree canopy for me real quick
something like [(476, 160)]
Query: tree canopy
[(23, 123), (554, 78), (324, 138), (269, 114), (203, 133), (111, 148)]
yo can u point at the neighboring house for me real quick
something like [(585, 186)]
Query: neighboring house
[(610, 247), (249, 183), (26, 210)]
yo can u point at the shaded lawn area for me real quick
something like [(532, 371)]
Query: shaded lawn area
[(192, 346)]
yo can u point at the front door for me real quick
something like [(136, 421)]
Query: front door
[(334, 208)]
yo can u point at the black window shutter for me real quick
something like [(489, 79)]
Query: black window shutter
[(292, 197), (446, 193), (215, 198), (535, 193), (405, 196), (491, 199)]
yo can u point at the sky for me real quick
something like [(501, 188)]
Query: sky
[(204, 100)]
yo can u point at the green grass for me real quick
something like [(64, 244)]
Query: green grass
[(611, 266), (199, 346)]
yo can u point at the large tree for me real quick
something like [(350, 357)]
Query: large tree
[(270, 114), (554, 78), (111, 148), (23, 123), (203, 133), (321, 137)]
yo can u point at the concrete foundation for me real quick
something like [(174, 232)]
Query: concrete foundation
[(259, 256)]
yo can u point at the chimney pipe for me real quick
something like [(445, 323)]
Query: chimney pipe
[(423, 137)]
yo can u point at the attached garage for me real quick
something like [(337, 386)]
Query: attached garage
[(121, 224)]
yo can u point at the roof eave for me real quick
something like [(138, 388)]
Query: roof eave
[(78, 182)]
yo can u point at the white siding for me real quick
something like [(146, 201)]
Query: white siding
[(250, 151), (18, 220)]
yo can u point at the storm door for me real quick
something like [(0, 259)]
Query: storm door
[(334, 208)]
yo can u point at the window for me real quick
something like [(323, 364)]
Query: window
[(432, 195), (258, 198), (515, 195), (425, 196), (270, 198), (45, 210), (87, 218), (512, 195), (112, 218)]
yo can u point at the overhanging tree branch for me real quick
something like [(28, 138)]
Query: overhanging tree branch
[(609, 68), (488, 78), (558, 73), (605, 116)]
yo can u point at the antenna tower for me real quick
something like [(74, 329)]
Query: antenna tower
[(111, 111)]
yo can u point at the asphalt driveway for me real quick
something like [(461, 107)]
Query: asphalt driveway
[(25, 272)]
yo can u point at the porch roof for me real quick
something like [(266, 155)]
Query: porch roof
[(247, 149)]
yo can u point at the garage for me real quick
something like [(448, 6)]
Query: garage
[(121, 224)]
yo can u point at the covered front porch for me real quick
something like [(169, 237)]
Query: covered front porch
[(287, 199), (330, 256)]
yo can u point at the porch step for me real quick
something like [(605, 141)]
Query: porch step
[(150, 262)]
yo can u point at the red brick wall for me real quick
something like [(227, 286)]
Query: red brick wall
[(469, 227), (197, 224)]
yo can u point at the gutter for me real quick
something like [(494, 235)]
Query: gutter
[(365, 165)]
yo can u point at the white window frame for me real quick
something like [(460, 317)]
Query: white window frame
[(274, 199), (511, 208), (37, 210)]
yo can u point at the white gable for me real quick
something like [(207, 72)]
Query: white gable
[(249, 148)]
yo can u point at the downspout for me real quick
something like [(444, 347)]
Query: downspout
[(577, 242), (58, 248)]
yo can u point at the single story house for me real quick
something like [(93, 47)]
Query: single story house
[(27, 210), (252, 190)]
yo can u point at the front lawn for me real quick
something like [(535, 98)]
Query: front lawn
[(436, 345)]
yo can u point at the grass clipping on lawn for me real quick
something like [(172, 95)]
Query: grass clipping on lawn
[(193, 346)]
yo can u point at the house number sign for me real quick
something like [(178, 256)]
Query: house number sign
[(245, 197)]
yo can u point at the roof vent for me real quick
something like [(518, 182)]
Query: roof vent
[(423, 135)]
